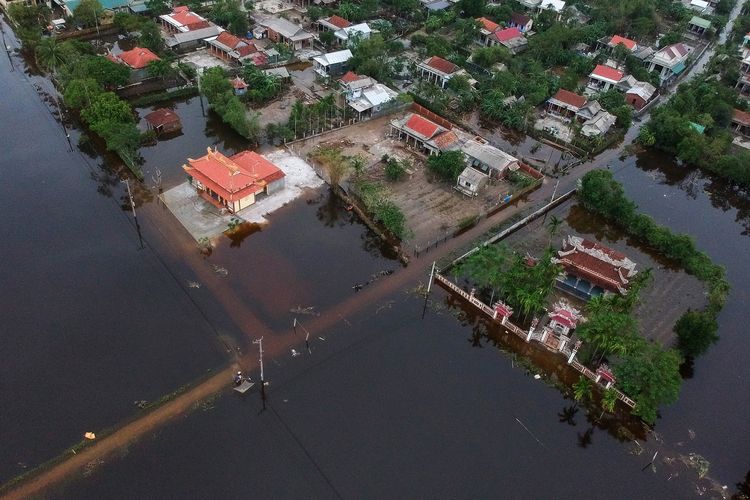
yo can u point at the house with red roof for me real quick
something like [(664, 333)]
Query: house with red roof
[(565, 104), (416, 130), (137, 58), (333, 23), (486, 28), (182, 20), (617, 40), (231, 48), (233, 182), (592, 269), (604, 78), (510, 38), (163, 121), (438, 71)]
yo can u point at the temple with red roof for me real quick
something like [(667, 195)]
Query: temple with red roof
[(592, 269), (233, 182)]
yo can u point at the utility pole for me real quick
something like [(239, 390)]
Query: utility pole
[(552, 198), (135, 217), (429, 287), (262, 378), (7, 50)]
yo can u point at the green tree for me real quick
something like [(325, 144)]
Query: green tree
[(651, 376), (160, 69), (81, 92), (447, 165), (50, 54), (582, 389), (696, 332), (471, 8), (88, 12), (609, 400), (327, 38), (106, 107), (230, 14), (158, 7), (107, 74), (151, 37)]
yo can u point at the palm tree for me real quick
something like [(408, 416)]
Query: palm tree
[(553, 226), (609, 400), (582, 389), (49, 54)]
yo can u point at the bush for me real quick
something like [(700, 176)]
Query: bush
[(391, 216), (395, 169), (696, 331), (448, 165)]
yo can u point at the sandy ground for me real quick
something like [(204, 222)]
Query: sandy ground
[(433, 209), (202, 60), (200, 218), (299, 177)]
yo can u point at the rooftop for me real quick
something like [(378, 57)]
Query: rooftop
[(441, 65), (569, 98), (161, 116), (508, 34), (137, 57), (619, 40), (607, 73), (606, 267)]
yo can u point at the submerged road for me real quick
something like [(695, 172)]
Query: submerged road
[(278, 343)]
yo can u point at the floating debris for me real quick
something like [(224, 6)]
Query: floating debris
[(295, 353), (537, 376), (141, 403), (310, 311), (90, 436), (193, 284), (222, 272)]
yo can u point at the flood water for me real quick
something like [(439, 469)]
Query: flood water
[(385, 404)]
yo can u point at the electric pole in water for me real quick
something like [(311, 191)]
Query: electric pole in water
[(262, 378), (135, 217)]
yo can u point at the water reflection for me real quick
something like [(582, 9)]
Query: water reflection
[(568, 414)]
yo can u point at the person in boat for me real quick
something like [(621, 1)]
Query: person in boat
[(238, 378)]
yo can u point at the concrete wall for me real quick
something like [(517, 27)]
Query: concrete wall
[(275, 186)]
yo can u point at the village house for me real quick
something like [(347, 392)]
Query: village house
[(233, 49), (669, 62), (639, 94), (438, 71), (333, 23), (488, 159), (435, 5), (700, 6), (610, 43), (588, 111), (137, 59), (234, 182), (530, 4), (345, 36), (604, 78), (743, 82), (510, 38), (523, 22), (471, 181), (556, 6), (591, 269), (365, 96), (191, 40), (699, 26), (741, 122), (565, 104), (279, 30), (332, 64), (598, 125), (424, 134), (163, 121), (182, 20), (487, 28)]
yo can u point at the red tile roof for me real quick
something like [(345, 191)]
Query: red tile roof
[(138, 58), (187, 18), (617, 40), (569, 97), (598, 270), (441, 65), (235, 177), (228, 39), (350, 77), (339, 22), (508, 34), (564, 317), (161, 117), (741, 117), (422, 126), (607, 73), (446, 140), (490, 26)]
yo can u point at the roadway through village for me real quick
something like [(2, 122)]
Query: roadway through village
[(278, 343)]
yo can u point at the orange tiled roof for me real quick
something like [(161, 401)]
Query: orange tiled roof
[(138, 57)]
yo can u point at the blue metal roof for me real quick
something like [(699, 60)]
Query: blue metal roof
[(678, 68), (107, 4)]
